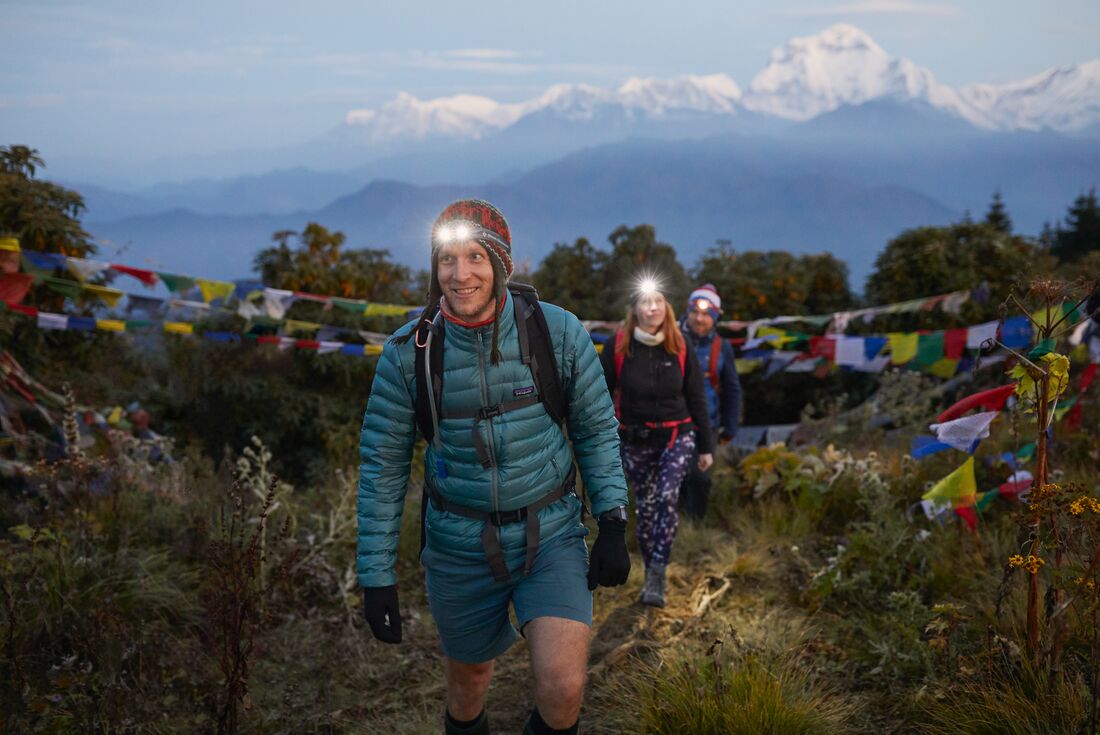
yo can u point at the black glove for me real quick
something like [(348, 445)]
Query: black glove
[(378, 604), (609, 563)]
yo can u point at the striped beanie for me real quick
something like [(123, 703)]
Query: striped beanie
[(474, 219), (707, 292)]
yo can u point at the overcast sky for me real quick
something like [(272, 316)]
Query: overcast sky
[(148, 77)]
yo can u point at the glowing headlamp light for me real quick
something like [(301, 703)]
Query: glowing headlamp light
[(648, 286), (703, 305), (463, 231)]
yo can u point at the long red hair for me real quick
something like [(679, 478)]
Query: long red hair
[(673, 338)]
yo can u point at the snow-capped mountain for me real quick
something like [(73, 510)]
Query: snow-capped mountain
[(1063, 99), (472, 117), (807, 77), (841, 66)]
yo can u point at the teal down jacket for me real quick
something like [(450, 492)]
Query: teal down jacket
[(532, 454)]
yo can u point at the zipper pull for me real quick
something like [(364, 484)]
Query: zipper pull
[(440, 469)]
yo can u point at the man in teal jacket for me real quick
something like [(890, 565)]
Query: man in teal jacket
[(503, 525)]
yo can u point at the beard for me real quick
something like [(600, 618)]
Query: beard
[(469, 310)]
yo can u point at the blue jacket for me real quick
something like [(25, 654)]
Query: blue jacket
[(532, 454), (724, 405)]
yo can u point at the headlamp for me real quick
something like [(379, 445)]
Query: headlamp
[(703, 305), (461, 231), (648, 286)]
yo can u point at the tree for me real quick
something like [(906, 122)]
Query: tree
[(572, 276), (756, 284), (635, 252), (1082, 231), (926, 261), (43, 215), (997, 216), (319, 265)]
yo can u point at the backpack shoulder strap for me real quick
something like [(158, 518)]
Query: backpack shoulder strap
[(536, 349), (715, 354), (429, 372), (682, 357)]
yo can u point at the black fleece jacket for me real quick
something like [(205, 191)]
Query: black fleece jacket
[(652, 389)]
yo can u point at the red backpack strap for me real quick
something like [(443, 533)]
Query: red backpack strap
[(620, 358), (682, 356), (715, 353)]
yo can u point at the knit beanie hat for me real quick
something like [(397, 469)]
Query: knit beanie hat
[(707, 292), (474, 219)]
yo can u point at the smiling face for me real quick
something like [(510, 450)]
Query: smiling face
[(649, 310), (465, 275), (699, 319)]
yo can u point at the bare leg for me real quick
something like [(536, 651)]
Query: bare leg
[(467, 687), (559, 658)]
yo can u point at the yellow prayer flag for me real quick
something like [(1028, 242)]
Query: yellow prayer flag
[(903, 347), (945, 368), (214, 289), (109, 296), (959, 487), (293, 325), (774, 336), (179, 327), (386, 310), (599, 348), (115, 416), (372, 349), (745, 367), (110, 325)]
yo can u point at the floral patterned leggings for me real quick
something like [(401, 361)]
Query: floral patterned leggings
[(656, 473)]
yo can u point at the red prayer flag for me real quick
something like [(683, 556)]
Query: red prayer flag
[(1088, 376), (149, 278), (14, 286), (823, 347), (954, 343), (307, 344), (28, 310), (969, 516), (269, 339), (990, 400)]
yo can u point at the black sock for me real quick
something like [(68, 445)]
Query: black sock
[(464, 725), (537, 726)]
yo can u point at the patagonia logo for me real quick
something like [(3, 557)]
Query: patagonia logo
[(523, 391)]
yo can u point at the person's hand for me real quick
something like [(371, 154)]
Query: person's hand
[(382, 614), (705, 461), (609, 563)]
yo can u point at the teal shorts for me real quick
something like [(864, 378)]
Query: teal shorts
[(471, 608)]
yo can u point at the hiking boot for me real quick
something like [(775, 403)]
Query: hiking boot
[(653, 590)]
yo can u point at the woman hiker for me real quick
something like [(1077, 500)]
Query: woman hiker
[(657, 386)]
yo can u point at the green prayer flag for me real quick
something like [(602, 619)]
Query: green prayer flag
[(1045, 347), (68, 289), (355, 306), (176, 283), (930, 348)]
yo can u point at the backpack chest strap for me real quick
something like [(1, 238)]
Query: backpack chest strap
[(486, 413)]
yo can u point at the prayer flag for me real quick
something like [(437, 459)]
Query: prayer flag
[(14, 287), (991, 400), (1017, 483), (110, 325), (215, 289), (109, 296), (149, 278), (965, 433), (47, 320), (179, 327), (958, 486), (977, 335), (85, 269), (176, 283), (903, 347)]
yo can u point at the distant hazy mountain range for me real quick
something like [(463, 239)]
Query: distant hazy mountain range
[(834, 145)]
